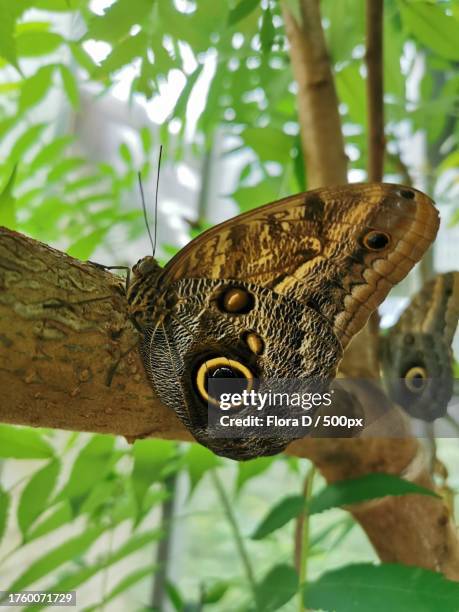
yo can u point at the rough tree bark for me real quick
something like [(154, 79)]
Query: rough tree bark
[(68, 356)]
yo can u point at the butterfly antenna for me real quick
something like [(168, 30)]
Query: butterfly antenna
[(156, 195), (144, 209)]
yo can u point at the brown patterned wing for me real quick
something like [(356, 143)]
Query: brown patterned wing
[(434, 310), (338, 250), (416, 353)]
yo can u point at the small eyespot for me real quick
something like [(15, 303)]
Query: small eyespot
[(254, 342), (416, 379), (236, 301), (224, 368), (375, 240), (407, 194)]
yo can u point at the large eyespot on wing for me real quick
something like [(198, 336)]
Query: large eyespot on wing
[(240, 377), (341, 248)]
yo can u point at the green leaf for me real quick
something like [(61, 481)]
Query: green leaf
[(175, 597), (35, 495), (398, 588), (26, 140), (124, 584), (182, 101), (50, 152), (267, 31), (279, 515), (242, 10), (23, 443), (36, 43), (65, 167), (146, 138), (35, 88), (150, 459), (4, 506), (125, 154), (85, 246), (60, 516), (118, 19), (8, 205), (250, 197), (269, 143), (50, 561), (246, 470), (133, 544), (74, 578), (82, 58), (123, 54), (277, 588), (7, 40), (370, 486), (91, 465), (432, 27), (70, 85), (198, 461), (214, 592), (351, 91)]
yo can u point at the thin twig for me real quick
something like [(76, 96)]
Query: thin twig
[(304, 547), (375, 89), (235, 529)]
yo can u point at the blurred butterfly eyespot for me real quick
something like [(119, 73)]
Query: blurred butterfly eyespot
[(407, 193), (375, 240), (238, 376), (416, 379), (236, 301)]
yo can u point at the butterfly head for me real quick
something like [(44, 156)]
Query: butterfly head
[(143, 293)]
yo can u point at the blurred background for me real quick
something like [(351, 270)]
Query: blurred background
[(88, 92)]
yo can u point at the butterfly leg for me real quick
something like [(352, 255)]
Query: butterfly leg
[(112, 369), (103, 267)]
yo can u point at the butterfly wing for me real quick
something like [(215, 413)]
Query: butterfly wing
[(416, 357), (339, 250), (277, 339)]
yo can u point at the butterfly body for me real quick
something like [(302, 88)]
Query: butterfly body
[(274, 293)]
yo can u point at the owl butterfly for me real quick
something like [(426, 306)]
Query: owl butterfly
[(275, 293), (416, 354)]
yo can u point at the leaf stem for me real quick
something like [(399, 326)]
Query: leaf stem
[(304, 546), (229, 514)]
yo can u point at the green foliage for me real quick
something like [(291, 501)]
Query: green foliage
[(23, 443), (35, 496), (363, 587), (277, 588), (335, 495), (4, 506)]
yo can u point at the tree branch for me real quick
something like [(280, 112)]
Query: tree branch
[(375, 89), (69, 354), (320, 124)]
